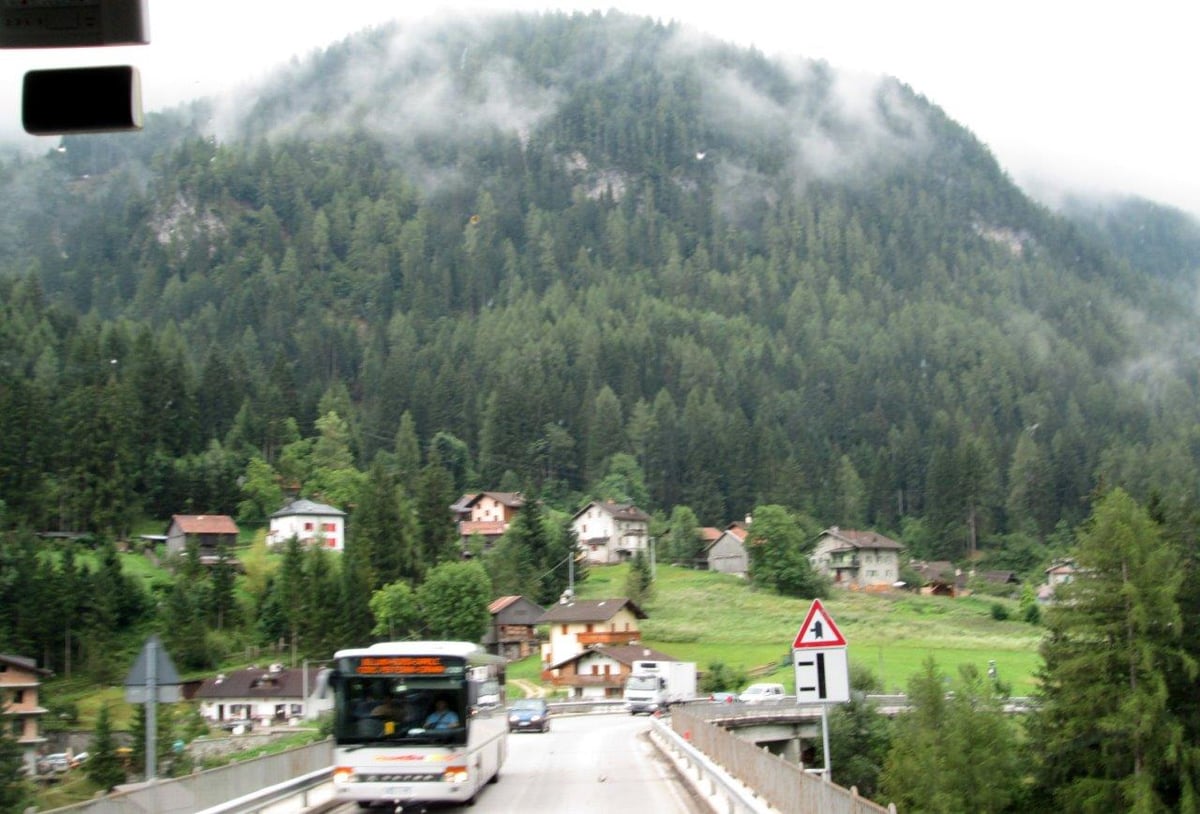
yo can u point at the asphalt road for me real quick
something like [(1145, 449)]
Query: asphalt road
[(585, 763)]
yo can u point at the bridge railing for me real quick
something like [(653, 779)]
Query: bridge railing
[(303, 766), (785, 786)]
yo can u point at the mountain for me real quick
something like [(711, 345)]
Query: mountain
[(582, 255)]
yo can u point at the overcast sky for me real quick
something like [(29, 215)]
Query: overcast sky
[(1097, 96)]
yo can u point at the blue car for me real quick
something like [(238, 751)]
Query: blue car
[(529, 715)]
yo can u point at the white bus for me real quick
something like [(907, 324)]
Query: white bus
[(417, 722)]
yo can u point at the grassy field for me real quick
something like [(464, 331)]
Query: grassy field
[(709, 617)]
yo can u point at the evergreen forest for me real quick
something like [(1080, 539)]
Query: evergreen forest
[(577, 257)]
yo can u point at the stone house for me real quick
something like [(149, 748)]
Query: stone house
[(858, 560)]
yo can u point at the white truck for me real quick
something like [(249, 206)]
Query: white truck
[(652, 686)]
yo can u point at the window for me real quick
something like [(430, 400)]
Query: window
[(328, 527), (18, 727), (19, 697), (308, 526)]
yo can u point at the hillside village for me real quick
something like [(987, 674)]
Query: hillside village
[(586, 647)]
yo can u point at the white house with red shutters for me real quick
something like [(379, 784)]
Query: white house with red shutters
[(312, 523)]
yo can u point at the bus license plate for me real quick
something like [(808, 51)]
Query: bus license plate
[(398, 791)]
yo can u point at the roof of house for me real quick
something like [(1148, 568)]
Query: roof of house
[(936, 570), (1000, 576), (862, 539), (25, 664), (514, 500), (307, 507), (737, 532), (501, 603), (626, 654), (459, 506), (709, 534), (589, 610), (619, 511), (204, 523), (513, 620), (257, 683)]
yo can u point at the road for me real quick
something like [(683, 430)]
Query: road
[(592, 762)]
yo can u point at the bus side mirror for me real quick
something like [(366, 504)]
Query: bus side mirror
[(327, 679)]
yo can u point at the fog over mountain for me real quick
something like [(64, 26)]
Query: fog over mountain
[(603, 254)]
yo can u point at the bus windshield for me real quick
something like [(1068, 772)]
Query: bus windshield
[(401, 709)]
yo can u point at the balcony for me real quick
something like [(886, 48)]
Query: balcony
[(610, 637), (572, 680)]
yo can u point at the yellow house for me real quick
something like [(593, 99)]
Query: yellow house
[(578, 624)]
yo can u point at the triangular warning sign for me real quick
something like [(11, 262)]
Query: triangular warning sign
[(818, 629)]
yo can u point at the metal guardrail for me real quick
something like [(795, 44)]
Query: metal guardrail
[(212, 788), (603, 706), (304, 789), (785, 786), (706, 776)]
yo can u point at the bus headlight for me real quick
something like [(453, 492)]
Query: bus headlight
[(342, 775), (455, 774)]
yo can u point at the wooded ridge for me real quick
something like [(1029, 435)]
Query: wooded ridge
[(575, 255)]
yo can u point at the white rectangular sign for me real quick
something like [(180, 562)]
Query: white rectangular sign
[(822, 675)]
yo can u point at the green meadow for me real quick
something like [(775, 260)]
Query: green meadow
[(709, 617)]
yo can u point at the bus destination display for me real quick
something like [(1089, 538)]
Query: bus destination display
[(407, 666)]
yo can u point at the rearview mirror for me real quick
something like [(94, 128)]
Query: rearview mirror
[(65, 101)]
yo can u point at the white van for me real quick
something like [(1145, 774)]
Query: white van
[(757, 693)]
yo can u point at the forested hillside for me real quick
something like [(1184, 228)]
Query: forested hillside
[(590, 257), (582, 256)]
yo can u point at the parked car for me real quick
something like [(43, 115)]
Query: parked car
[(57, 762), (722, 697), (757, 693), (528, 715), (79, 760)]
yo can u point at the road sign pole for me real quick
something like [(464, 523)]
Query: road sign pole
[(151, 679), (825, 738), (151, 708)]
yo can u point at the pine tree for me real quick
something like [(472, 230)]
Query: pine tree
[(639, 582), (15, 791), (1104, 734), (104, 765), (952, 752)]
